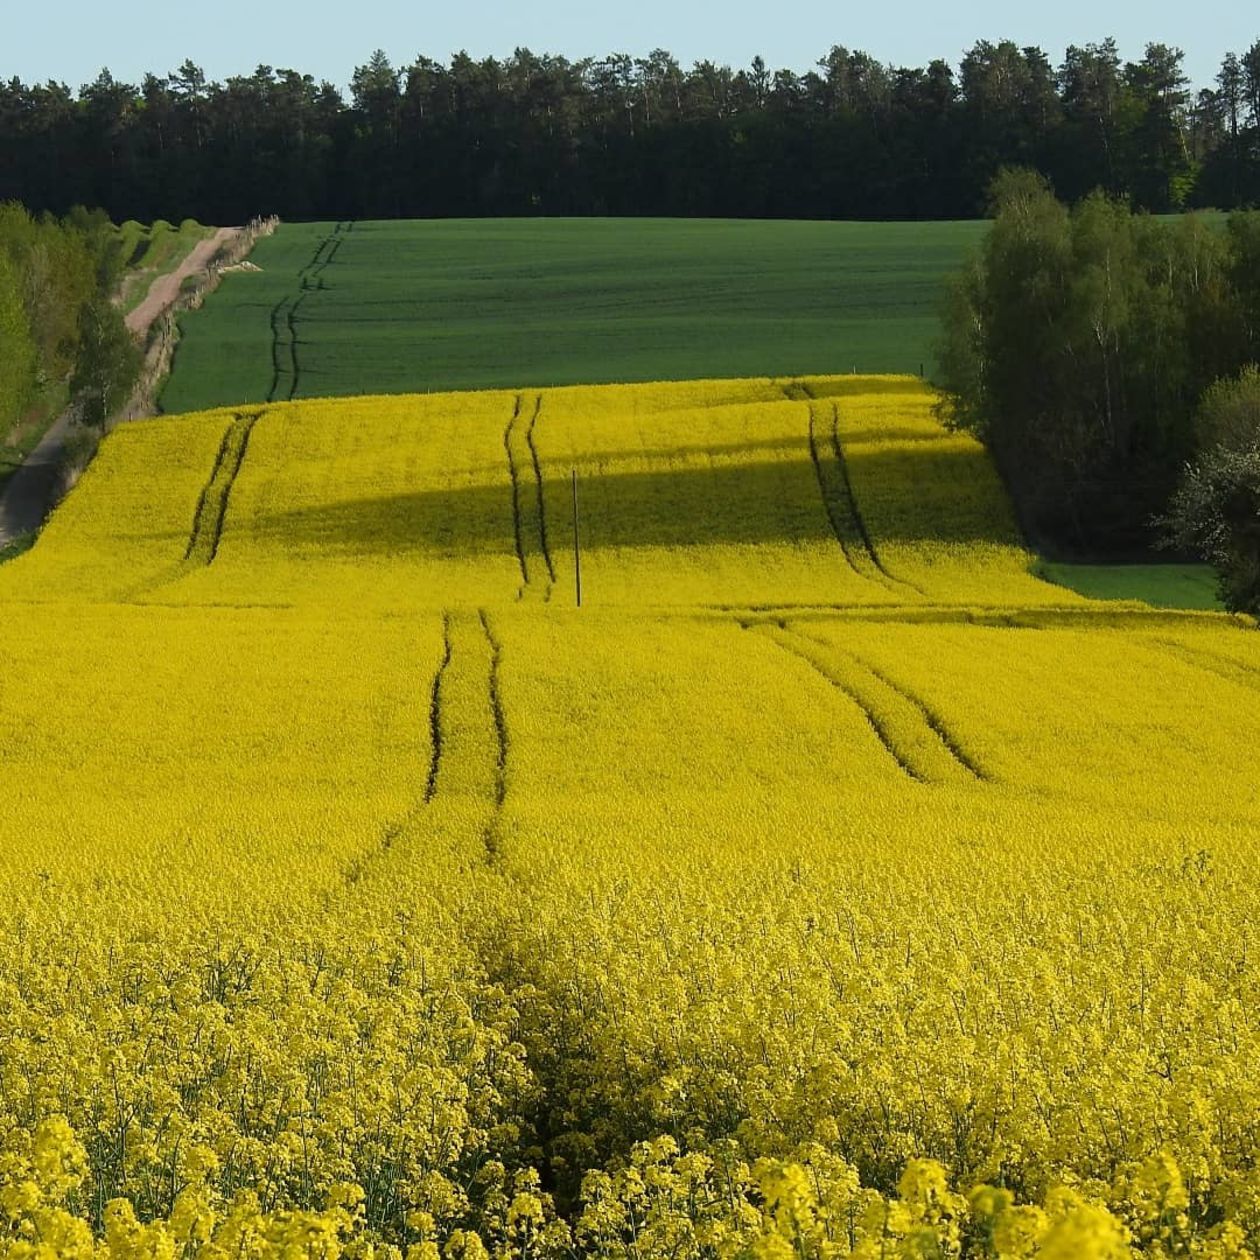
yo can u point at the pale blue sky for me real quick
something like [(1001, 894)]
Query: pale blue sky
[(70, 40)]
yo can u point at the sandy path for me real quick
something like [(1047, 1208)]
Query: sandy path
[(165, 289), (27, 496)]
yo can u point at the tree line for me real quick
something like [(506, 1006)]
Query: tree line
[(61, 334), (1106, 358), (852, 138)]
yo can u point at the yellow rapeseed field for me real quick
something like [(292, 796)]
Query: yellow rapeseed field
[(826, 885)]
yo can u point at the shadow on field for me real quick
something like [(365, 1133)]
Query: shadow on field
[(949, 495), (769, 502), (605, 463), (680, 450), (891, 432)]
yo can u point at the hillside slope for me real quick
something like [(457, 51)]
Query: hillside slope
[(405, 307), (347, 862)]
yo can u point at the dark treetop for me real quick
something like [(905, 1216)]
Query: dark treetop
[(852, 138)]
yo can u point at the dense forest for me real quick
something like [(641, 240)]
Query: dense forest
[(852, 138)]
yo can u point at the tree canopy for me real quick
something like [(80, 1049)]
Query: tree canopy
[(542, 134), (58, 324), (1078, 345)]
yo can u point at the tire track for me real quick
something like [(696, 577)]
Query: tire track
[(828, 505), (311, 280), (468, 754), (332, 253), (516, 495), (796, 391), (846, 522), (199, 511), (913, 733), (319, 250), (276, 368), (1223, 667), (538, 482), (212, 506), (435, 713), (314, 270), (468, 731), (332, 243), (934, 722), (868, 544), (496, 711), (291, 318), (783, 638)]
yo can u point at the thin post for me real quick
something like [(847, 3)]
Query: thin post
[(577, 550)]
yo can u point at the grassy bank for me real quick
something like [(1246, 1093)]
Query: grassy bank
[(148, 252)]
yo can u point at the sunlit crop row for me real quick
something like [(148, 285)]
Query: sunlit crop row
[(826, 885)]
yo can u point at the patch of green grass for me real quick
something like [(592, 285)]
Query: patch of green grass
[(460, 304), (1190, 586), (169, 246), (148, 252), (16, 546)]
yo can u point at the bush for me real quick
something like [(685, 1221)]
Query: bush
[(1216, 510), (1229, 414)]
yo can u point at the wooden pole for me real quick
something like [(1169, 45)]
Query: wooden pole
[(577, 550)]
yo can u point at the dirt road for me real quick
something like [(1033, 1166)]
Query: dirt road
[(165, 289), (27, 497)]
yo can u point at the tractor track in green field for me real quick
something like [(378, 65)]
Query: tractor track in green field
[(330, 243), (319, 253), (568, 302), (285, 360), (291, 320), (276, 369)]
